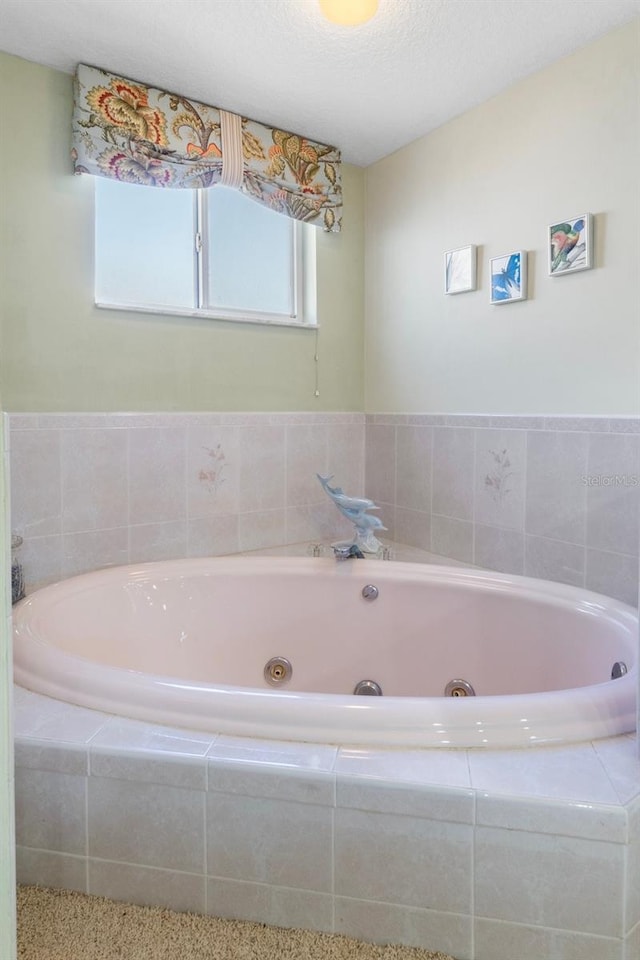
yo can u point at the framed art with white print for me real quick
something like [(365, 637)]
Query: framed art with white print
[(460, 270)]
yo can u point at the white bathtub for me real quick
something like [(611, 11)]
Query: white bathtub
[(185, 643)]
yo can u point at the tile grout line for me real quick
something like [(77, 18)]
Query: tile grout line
[(585, 521), (432, 442), (128, 468), (86, 827), (285, 486), (473, 867), (185, 452), (205, 837), (474, 486)]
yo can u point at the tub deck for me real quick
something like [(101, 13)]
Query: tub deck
[(484, 854)]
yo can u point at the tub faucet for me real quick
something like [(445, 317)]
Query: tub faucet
[(347, 551), (356, 510)]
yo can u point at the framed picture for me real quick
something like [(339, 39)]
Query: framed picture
[(460, 270), (570, 245), (509, 277)]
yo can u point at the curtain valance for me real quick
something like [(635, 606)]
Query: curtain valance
[(128, 131)]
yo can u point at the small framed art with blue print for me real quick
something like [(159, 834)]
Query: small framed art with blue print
[(509, 277)]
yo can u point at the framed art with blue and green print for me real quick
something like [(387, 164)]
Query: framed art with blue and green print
[(570, 245), (508, 276)]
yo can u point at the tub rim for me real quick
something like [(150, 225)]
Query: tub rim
[(291, 715)]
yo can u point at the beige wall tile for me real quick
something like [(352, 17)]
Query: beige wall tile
[(147, 886), (556, 498), (306, 455), (246, 838), (146, 824), (261, 470), (453, 458), (94, 479), (266, 903), (413, 467), (36, 491), (157, 469), (403, 860), (510, 863)]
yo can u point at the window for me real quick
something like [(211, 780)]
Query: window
[(210, 253)]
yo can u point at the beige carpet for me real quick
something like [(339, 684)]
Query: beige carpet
[(60, 925)]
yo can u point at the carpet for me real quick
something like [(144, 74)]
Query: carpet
[(62, 925)]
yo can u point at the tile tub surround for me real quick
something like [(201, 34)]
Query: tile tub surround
[(551, 497), (486, 855), (93, 490)]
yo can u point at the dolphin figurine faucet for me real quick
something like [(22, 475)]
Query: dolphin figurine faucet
[(356, 510)]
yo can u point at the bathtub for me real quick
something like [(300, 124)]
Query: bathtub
[(186, 643)]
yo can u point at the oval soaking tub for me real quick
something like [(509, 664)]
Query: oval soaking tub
[(186, 643)]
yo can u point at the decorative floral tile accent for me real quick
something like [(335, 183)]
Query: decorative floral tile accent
[(212, 476), (497, 481), (500, 474)]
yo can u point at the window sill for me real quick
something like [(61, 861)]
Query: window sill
[(263, 319)]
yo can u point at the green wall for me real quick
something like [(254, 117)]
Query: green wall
[(58, 352)]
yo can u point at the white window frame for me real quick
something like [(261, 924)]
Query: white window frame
[(303, 281)]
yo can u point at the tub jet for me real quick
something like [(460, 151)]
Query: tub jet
[(459, 688), (367, 688)]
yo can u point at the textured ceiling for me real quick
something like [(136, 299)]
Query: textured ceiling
[(368, 90)]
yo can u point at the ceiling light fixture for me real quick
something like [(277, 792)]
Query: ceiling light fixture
[(349, 13)]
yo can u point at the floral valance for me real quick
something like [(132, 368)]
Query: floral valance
[(128, 131)]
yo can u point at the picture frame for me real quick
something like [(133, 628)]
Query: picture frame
[(460, 270), (570, 245), (508, 277)]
